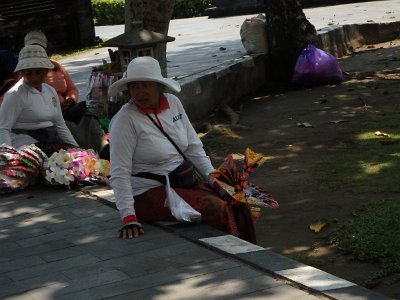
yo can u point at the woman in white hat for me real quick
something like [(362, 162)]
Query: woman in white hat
[(57, 77), (31, 112), (145, 162), (84, 126)]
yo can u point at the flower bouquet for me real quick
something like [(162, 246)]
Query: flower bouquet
[(75, 166), (235, 182)]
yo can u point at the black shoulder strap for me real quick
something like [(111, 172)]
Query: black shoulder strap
[(176, 146), (167, 136)]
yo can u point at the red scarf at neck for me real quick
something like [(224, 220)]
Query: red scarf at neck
[(163, 105)]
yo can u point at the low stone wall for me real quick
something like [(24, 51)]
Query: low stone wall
[(344, 39), (202, 95), (232, 83)]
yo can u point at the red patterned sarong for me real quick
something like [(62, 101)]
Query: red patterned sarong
[(233, 219)]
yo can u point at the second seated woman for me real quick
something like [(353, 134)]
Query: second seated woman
[(143, 158), (31, 111)]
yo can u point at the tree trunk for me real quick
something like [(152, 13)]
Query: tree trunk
[(288, 32), (155, 15)]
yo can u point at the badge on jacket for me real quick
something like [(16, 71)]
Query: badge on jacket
[(177, 117)]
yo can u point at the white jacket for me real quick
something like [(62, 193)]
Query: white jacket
[(25, 107), (137, 145)]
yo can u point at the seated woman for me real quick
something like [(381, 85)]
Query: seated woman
[(84, 126), (57, 77), (142, 157), (31, 112)]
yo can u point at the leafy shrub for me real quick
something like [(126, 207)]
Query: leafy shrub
[(108, 12), (191, 8), (111, 12)]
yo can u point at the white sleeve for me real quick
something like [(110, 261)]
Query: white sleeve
[(10, 109), (122, 146)]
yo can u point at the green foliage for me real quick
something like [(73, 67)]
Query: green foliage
[(374, 236), (111, 12), (191, 8), (108, 12)]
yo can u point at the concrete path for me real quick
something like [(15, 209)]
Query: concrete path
[(60, 244)]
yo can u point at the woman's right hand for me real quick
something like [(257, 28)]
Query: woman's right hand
[(130, 231)]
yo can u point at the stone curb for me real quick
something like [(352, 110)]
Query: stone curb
[(305, 277)]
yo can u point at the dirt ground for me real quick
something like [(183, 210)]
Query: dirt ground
[(268, 124)]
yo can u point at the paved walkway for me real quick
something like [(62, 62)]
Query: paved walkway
[(60, 244)]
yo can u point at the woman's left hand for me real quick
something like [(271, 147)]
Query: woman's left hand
[(130, 231)]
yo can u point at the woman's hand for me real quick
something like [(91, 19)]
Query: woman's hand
[(69, 102), (130, 231)]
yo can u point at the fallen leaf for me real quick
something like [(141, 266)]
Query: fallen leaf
[(337, 121), (321, 101), (380, 133), (318, 225), (305, 124)]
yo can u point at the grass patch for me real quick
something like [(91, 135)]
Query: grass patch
[(374, 236), (67, 53), (365, 165)]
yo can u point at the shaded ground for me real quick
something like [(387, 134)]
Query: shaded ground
[(268, 124)]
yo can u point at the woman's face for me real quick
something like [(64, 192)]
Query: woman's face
[(34, 77), (145, 93)]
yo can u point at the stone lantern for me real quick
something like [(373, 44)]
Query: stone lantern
[(133, 43)]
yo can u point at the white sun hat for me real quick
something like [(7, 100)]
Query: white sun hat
[(143, 68), (35, 37), (31, 57)]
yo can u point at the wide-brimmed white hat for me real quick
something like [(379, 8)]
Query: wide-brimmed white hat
[(33, 56), (143, 68), (36, 37)]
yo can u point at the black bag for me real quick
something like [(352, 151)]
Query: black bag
[(47, 135), (183, 176), (75, 112)]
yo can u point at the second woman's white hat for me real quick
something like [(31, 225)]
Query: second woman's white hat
[(31, 57), (143, 68)]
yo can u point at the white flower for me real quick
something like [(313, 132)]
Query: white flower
[(64, 160), (62, 176), (52, 160), (50, 176)]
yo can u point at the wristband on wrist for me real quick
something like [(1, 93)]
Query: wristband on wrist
[(129, 219)]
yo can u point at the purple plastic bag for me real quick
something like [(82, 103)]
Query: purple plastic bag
[(316, 67)]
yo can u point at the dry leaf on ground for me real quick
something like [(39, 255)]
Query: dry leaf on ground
[(380, 133), (337, 121), (305, 124), (318, 225)]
